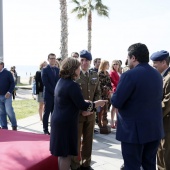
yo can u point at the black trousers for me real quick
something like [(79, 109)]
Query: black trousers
[(137, 155), (48, 108)]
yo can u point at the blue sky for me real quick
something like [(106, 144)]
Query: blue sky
[(32, 29)]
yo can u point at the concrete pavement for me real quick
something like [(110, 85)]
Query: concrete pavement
[(106, 154)]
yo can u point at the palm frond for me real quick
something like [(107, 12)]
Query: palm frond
[(81, 12), (80, 15), (92, 7), (76, 2), (103, 13), (75, 9), (101, 9)]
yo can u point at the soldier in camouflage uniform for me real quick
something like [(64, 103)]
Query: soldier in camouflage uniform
[(161, 62), (89, 84)]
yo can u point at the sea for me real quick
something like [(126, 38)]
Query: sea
[(24, 71)]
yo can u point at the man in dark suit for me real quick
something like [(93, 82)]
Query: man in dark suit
[(161, 63), (138, 98), (96, 63), (50, 76)]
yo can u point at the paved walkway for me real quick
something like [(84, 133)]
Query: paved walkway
[(106, 153)]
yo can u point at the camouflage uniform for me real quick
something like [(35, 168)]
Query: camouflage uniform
[(91, 91), (163, 153)]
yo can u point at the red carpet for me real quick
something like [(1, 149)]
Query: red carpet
[(25, 151)]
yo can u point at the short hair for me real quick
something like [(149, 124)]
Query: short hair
[(68, 67), (51, 54), (140, 52), (126, 62), (95, 60), (167, 60), (2, 63), (120, 62), (12, 68), (103, 65), (75, 53)]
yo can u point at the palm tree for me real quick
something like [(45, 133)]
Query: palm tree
[(64, 30), (84, 8)]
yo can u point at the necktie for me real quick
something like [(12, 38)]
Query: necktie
[(86, 74), (53, 70)]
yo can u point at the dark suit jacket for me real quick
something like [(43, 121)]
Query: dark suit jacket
[(49, 81), (138, 99)]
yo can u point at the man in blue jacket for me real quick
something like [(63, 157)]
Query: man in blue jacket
[(6, 88), (50, 76), (138, 99)]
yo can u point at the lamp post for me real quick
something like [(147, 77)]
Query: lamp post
[(1, 31)]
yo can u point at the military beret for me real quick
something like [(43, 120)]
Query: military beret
[(159, 56), (85, 54)]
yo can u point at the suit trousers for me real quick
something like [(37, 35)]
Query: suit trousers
[(137, 155), (48, 108), (85, 141)]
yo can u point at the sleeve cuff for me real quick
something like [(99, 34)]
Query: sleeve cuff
[(91, 107)]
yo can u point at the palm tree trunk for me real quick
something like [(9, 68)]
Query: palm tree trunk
[(64, 30), (1, 31), (89, 30)]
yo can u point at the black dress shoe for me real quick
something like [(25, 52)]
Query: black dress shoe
[(86, 168), (122, 167), (46, 132), (96, 131), (14, 128)]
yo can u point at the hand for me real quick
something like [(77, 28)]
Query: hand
[(100, 103), (85, 113), (87, 101), (110, 95), (7, 95)]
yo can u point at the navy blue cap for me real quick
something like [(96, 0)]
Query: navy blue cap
[(85, 54), (159, 56)]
